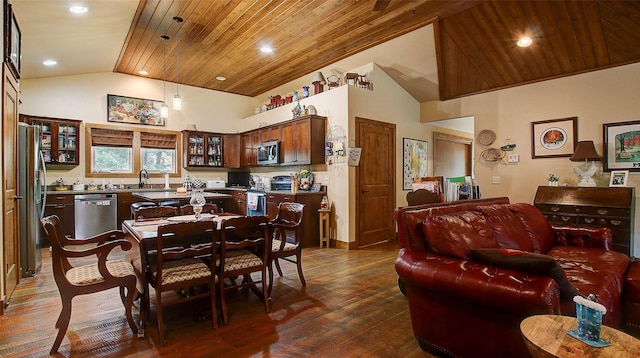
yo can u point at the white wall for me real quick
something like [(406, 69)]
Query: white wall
[(599, 97), (84, 97)]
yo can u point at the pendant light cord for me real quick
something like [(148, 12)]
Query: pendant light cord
[(164, 69)]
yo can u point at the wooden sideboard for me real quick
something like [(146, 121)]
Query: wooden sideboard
[(596, 207)]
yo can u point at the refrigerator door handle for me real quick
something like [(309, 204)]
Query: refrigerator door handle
[(44, 185)]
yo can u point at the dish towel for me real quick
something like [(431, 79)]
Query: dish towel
[(252, 201)]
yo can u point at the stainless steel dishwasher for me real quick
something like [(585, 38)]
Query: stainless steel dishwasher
[(95, 214)]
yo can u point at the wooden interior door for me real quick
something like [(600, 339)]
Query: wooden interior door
[(10, 240), (375, 182)]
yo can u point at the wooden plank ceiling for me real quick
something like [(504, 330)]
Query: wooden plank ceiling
[(475, 40)]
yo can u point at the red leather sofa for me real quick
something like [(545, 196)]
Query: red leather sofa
[(465, 308)]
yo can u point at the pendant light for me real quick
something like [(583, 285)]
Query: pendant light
[(177, 100), (164, 109)]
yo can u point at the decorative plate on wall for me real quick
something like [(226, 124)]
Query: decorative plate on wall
[(486, 137)]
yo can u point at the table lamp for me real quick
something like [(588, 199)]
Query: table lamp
[(585, 151)]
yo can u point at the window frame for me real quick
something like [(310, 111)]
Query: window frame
[(137, 152)]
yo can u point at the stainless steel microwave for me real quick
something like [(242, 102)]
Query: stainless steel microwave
[(269, 153)]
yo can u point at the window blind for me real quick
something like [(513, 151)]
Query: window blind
[(158, 140), (111, 137)]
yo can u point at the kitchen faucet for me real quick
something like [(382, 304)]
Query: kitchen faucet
[(141, 180)]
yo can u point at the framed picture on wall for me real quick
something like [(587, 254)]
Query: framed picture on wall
[(12, 40), (134, 110), (621, 146), (554, 138), (414, 161)]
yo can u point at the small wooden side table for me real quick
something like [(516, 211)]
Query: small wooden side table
[(325, 226), (546, 336)]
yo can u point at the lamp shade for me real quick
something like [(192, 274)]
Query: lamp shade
[(585, 150), (318, 78)]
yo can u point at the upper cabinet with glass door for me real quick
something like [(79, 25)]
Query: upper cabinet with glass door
[(59, 139), (202, 149)]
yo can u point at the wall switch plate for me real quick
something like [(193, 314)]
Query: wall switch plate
[(495, 180), (513, 158)]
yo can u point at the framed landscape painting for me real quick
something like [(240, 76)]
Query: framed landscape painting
[(134, 110), (621, 146)]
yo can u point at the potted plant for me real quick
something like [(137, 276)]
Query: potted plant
[(553, 180)]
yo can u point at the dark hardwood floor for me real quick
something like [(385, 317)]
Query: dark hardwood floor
[(351, 307)]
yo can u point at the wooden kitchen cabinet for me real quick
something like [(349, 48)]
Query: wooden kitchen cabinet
[(302, 141), (59, 139), (240, 202), (202, 149), (613, 208), (249, 143), (63, 206), (274, 199), (269, 134), (231, 148)]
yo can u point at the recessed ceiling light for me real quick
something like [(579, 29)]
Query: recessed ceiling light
[(78, 9), (50, 62), (524, 41), (266, 49), (143, 72), (221, 78)]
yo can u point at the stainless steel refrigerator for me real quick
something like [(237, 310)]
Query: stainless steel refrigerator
[(31, 190)]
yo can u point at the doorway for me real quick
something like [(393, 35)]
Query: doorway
[(453, 147), (375, 182)]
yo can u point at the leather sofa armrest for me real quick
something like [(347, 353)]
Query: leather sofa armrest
[(476, 284), (583, 236)]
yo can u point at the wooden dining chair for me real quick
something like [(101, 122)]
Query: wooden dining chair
[(155, 212), (287, 234), (179, 266), (244, 249), (423, 196), (99, 275), (207, 208)]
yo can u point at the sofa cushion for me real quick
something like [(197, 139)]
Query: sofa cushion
[(457, 233), (537, 264), (536, 226), (507, 227), (594, 271)]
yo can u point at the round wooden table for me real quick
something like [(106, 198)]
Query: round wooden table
[(546, 336)]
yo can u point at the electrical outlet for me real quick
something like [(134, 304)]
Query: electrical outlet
[(495, 180), (513, 158)]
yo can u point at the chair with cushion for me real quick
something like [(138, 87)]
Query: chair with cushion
[(207, 208), (141, 204), (174, 203), (155, 212), (244, 249), (179, 266), (286, 239), (102, 274)]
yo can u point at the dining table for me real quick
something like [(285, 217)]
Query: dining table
[(143, 235)]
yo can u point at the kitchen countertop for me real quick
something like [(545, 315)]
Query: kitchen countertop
[(169, 195), (131, 190)]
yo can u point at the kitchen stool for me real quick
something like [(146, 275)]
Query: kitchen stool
[(175, 203), (325, 226), (142, 204)]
